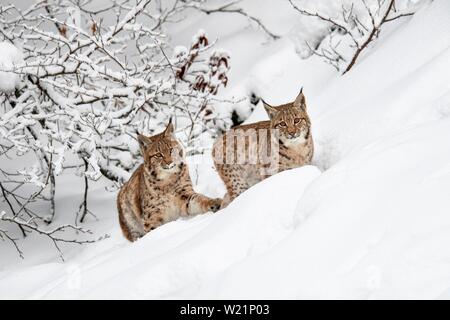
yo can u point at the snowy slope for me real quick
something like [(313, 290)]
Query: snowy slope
[(373, 222), (376, 225)]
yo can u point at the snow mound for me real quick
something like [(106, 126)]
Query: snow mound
[(9, 57), (374, 226), (180, 254)]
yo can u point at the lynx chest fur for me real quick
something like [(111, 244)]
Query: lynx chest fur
[(249, 153), (160, 190)]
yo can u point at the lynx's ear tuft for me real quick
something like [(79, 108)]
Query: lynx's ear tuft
[(271, 111), (144, 142), (169, 129), (300, 101)]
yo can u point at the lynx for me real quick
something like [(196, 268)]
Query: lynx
[(160, 190), (286, 136)]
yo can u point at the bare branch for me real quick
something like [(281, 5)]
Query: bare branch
[(52, 235), (86, 85), (351, 25), (375, 31)]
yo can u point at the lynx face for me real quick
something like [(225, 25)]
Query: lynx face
[(291, 120), (163, 154)]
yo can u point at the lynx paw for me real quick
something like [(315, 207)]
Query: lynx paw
[(215, 204)]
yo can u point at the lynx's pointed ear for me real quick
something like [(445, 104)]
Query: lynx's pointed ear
[(144, 142), (169, 129), (300, 101), (271, 111)]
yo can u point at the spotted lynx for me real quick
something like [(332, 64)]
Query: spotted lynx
[(287, 136), (160, 190)]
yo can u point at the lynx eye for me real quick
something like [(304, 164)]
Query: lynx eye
[(296, 120), (158, 155), (282, 124)]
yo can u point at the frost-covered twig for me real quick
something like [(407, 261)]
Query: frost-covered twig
[(4, 235), (360, 27), (230, 8), (375, 30), (53, 234)]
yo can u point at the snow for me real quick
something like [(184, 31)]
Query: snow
[(187, 256), (9, 57), (369, 219), (357, 236)]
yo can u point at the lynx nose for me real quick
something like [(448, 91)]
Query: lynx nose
[(292, 132), (169, 166)]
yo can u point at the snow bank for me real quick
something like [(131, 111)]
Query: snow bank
[(376, 225), (178, 254), (9, 56)]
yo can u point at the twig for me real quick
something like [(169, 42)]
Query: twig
[(372, 32), (83, 205), (375, 31), (11, 208), (51, 234), (226, 9)]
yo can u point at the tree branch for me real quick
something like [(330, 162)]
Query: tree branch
[(226, 9)]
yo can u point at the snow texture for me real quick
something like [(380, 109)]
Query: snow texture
[(9, 56)]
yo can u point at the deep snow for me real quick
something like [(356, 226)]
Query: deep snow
[(369, 219), (9, 56)]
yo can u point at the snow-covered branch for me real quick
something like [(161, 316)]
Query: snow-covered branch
[(350, 28), (231, 7), (56, 235), (75, 90)]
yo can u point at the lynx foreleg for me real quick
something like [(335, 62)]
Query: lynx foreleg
[(237, 179), (153, 221), (131, 226), (199, 203)]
